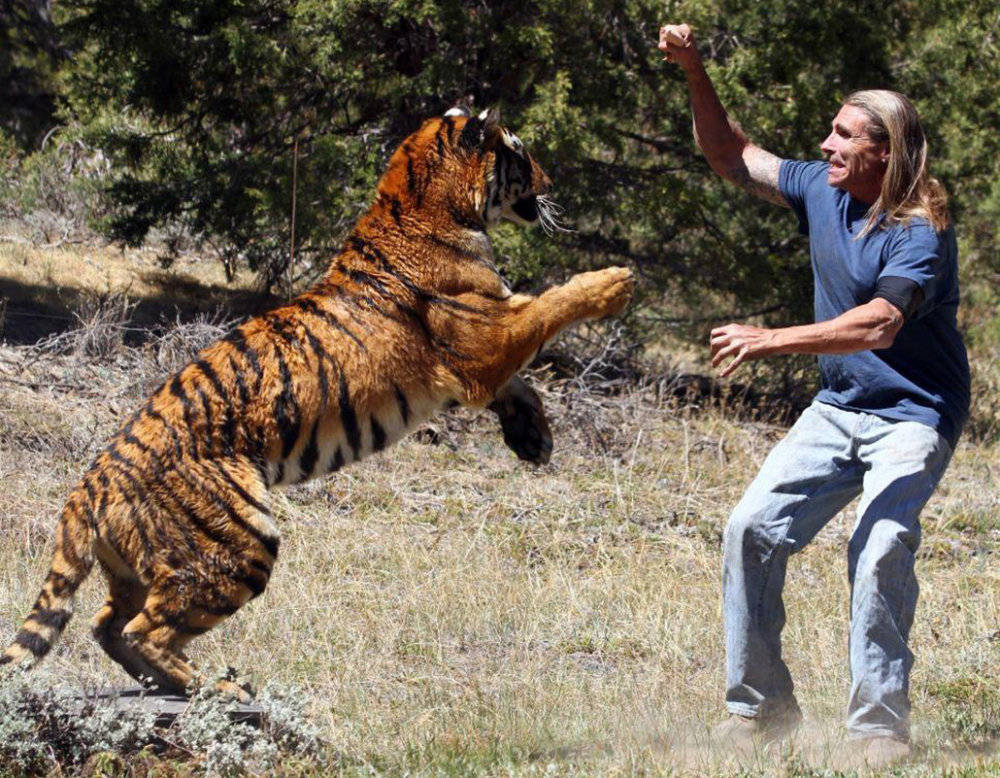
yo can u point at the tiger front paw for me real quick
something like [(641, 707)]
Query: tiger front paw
[(607, 291)]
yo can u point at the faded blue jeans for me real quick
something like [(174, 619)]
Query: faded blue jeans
[(829, 457)]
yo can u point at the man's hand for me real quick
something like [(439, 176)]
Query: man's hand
[(677, 44), (742, 342), (522, 419)]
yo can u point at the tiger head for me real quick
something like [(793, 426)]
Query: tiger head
[(476, 168)]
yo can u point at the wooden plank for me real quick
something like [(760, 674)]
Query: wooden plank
[(167, 707)]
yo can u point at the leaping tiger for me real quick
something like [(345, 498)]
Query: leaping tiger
[(411, 316)]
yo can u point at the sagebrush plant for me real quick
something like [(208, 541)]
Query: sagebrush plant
[(46, 724), (209, 729)]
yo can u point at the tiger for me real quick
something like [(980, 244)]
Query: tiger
[(410, 317)]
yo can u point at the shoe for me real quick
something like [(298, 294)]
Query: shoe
[(883, 751), (745, 732)]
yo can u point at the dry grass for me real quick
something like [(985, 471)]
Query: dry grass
[(45, 291), (450, 610)]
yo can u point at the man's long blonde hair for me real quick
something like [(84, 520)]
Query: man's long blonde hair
[(908, 190)]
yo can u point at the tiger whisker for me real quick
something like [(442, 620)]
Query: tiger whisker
[(550, 215)]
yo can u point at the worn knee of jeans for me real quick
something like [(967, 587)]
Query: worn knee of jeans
[(882, 549), (751, 537)]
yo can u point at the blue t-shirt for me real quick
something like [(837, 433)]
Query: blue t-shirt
[(924, 375)]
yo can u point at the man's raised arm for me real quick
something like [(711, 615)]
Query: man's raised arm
[(725, 146)]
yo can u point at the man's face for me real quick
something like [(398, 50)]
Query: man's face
[(857, 163)]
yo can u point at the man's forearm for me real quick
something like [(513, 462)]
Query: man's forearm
[(720, 139), (870, 326)]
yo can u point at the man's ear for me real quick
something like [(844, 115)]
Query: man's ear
[(482, 132)]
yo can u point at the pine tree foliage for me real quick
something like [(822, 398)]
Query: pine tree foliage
[(209, 108)]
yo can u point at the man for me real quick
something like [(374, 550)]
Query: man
[(894, 396)]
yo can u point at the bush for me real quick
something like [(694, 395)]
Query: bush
[(44, 726), (55, 195)]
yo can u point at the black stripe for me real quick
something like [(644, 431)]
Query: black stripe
[(440, 145), (464, 220), (411, 178), (271, 544), (255, 585), (404, 404), (220, 610), (60, 585), (36, 644), (206, 406), (55, 618), (151, 502), (470, 256), (214, 533), (212, 377), (418, 320), (241, 386), (317, 310), (252, 442), (367, 279), (350, 303), (324, 382), (177, 390), (169, 428), (461, 251), (336, 462), (286, 408), (396, 210), (372, 253), (140, 496), (349, 419), (188, 629), (89, 507), (177, 621), (229, 423), (263, 567), (67, 547), (238, 488), (239, 341), (194, 521), (378, 435), (229, 432), (307, 462)]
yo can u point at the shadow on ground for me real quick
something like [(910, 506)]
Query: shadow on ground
[(35, 311)]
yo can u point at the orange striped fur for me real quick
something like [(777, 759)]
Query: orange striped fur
[(410, 317)]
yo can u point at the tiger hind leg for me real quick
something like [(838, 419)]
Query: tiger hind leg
[(122, 605), (161, 630)]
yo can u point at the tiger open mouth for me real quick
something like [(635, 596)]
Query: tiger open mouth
[(526, 208)]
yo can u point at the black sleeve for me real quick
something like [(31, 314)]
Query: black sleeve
[(904, 293)]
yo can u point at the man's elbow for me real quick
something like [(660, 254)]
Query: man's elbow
[(725, 160), (887, 324)]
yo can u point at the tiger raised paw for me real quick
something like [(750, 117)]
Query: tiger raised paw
[(410, 317)]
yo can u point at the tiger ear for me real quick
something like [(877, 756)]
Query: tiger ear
[(482, 132)]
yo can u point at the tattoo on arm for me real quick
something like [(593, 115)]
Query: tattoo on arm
[(757, 173)]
